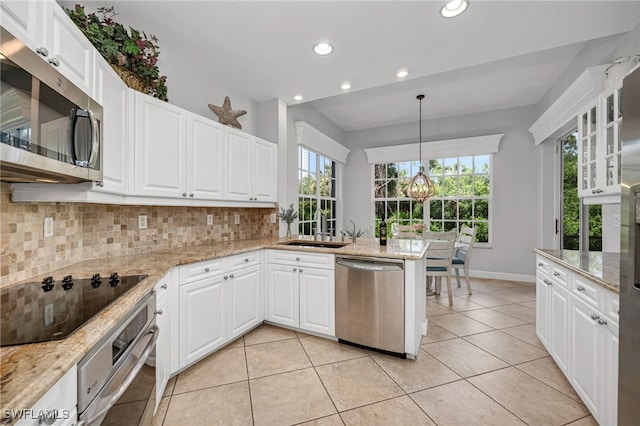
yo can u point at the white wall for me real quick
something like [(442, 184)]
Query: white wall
[(514, 210)]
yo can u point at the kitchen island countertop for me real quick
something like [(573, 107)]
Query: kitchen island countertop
[(28, 371)]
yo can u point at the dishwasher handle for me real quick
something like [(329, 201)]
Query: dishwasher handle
[(369, 266)]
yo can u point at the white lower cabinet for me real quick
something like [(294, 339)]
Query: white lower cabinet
[(163, 344), (203, 323), (581, 338), (300, 296), (245, 300), (57, 406)]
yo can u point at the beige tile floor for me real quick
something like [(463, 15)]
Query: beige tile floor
[(480, 364)]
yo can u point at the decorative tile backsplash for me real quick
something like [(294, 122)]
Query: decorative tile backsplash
[(90, 231)]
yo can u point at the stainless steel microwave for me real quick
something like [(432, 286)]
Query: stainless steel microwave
[(49, 128)]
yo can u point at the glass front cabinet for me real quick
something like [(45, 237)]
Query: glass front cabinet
[(600, 145)]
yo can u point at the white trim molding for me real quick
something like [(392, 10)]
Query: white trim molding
[(313, 138), (476, 145), (582, 91)]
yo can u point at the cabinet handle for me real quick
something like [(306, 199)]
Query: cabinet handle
[(547, 282), (540, 264), (300, 269), (246, 259), (54, 61), (226, 277), (598, 191), (556, 274), (230, 275), (602, 322), (42, 51), (159, 312), (100, 184), (164, 286), (580, 288), (191, 195), (206, 269), (297, 259), (184, 194), (595, 317), (593, 191)]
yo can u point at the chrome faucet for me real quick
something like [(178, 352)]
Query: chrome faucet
[(354, 234), (321, 225)]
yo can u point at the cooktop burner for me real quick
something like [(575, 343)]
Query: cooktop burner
[(49, 310)]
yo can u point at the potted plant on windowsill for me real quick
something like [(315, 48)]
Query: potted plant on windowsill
[(131, 53), (289, 216)]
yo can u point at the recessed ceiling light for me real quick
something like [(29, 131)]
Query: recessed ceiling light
[(298, 97), (402, 73), (323, 48), (454, 8), (345, 86)]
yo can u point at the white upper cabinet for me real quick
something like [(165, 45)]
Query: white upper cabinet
[(160, 148), (205, 152), (252, 168), (21, 19)]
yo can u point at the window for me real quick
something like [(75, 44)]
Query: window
[(463, 194), (316, 190)]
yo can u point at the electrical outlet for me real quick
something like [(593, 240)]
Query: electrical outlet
[(236, 219), (142, 221), (273, 218), (616, 221), (48, 227), (48, 314), (209, 219)]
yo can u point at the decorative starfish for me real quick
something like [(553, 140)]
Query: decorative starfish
[(226, 115)]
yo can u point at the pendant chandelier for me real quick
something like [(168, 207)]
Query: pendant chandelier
[(421, 187)]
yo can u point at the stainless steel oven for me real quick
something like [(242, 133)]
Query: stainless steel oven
[(49, 128), (116, 379)]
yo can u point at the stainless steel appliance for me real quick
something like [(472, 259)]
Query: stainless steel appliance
[(118, 371), (629, 351), (370, 303), (49, 128)]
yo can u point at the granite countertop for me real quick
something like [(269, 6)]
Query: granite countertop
[(602, 268), (28, 371)]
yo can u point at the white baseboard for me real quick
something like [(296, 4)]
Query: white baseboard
[(501, 276)]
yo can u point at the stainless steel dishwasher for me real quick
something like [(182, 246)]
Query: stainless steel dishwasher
[(370, 303)]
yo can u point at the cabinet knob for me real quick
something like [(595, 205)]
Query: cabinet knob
[(300, 269), (100, 184), (206, 269), (540, 264), (159, 312), (191, 195), (230, 275), (295, 269), (297, 259), (226, 277), (593, 191), (49, 418), (164, 286), (598, 191), (246, 259), (556, 274), (184, 194), (42, 51), (595, 317), (580, 288), (602, 322), (54, 61), (547, 282)]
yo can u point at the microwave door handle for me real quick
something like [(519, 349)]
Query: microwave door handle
[(110, 400), (71, 139), (95, 141)]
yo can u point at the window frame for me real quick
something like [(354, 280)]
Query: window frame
[(320, 200)]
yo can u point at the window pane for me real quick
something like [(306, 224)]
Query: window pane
[(482, 233), (450, 166), (450, 226), (379, 189), (405, 210), (312, 161), (466, 185), (379, 209), (450, 209), (481, 163), (418, 211), (466, 165), (437, 183), (466, 209), (481, 209), (392, 170), (379, 171), (450, 186), (435, 167), (481, 185), (435, 226)]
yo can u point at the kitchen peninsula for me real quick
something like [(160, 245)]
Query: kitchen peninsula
[(29, 371)]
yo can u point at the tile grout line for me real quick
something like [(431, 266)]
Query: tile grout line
[(549, 385), (497, 402), (246, 366)]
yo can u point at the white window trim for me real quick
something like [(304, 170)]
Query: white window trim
[(322, 144), (461, 147)]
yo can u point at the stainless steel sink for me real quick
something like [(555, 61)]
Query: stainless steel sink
[(311, 243)]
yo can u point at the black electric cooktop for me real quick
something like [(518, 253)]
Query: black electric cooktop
[(53, 309)]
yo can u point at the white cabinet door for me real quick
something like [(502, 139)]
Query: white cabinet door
[(239, 173), (113, 95), (205, 158), (610, 344), (265, 173), (244, 300), (163, 344), (20, 18), (585, 360), (559, 325), (282, 295), (317, 300), (159, 148), (69, 50), (203, 324), (543, 309)]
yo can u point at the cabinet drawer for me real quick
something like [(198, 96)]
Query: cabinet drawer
[(586, 291), (243, 260), (611, 305), (560, 275), (313, 260), (200, 270), (543, 265)]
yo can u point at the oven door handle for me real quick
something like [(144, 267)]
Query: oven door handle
[(124, 376)]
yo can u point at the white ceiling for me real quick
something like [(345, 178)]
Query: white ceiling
[(497, 54)]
